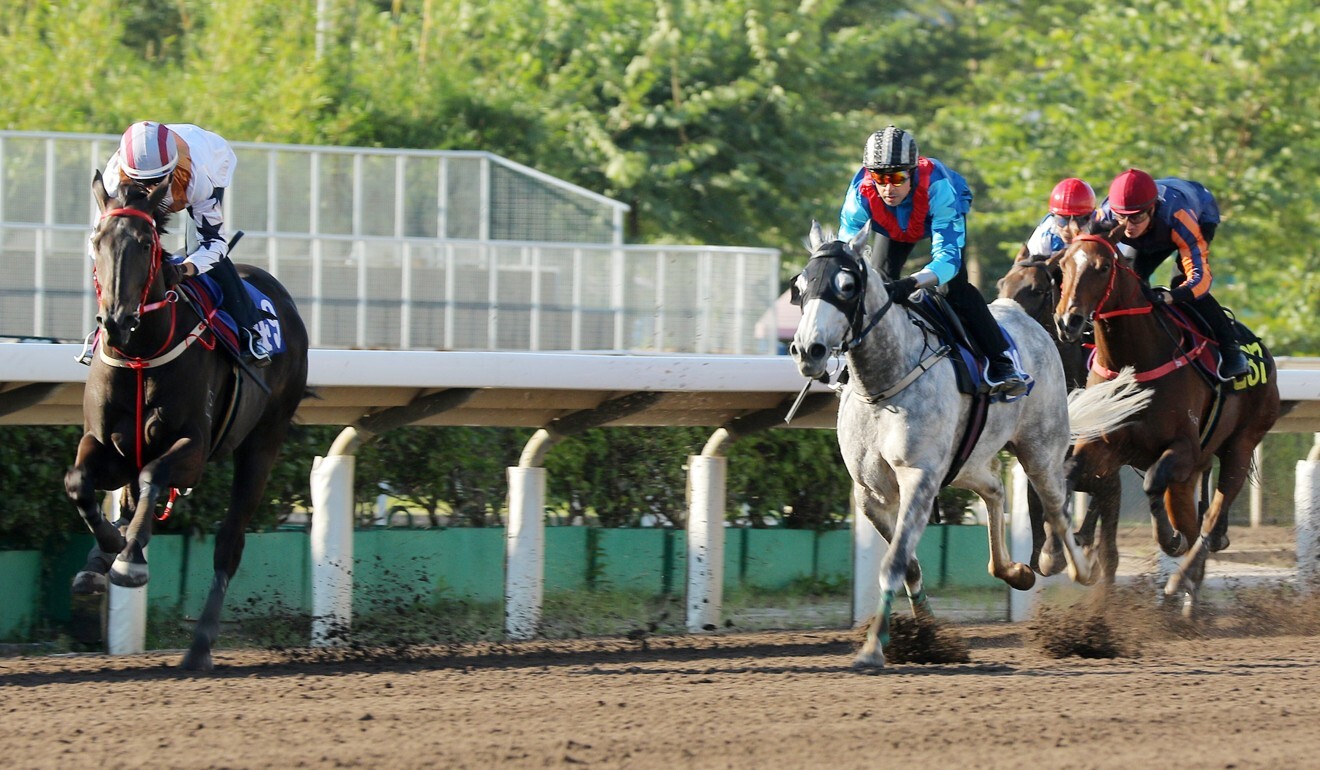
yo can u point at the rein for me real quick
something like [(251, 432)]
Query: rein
[(165, 354)]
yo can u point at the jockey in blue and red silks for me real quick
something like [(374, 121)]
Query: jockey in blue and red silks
[(1160, 217), (908, 198)]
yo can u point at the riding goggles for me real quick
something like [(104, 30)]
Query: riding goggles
[(1136, 219), (1063, 220), (894, 178)]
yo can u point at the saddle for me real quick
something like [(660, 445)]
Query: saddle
[(937, 317), (1205, 357), (206, 296)]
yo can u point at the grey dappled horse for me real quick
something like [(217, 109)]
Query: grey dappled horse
[(901, 415)]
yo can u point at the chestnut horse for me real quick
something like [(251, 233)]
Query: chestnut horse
[(162, 400), (1192, 419), (1033, 282)]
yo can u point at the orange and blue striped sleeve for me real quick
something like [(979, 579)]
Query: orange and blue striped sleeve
[(1193, 255)]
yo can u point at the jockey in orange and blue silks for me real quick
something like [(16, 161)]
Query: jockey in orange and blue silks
[(1159, 218), (1184, 217), (908, 198)]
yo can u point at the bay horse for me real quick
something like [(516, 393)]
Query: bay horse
[(1192, 419), (901, 414), (161, 401), (1033, 282)]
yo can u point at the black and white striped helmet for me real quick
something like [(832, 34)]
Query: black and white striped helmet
[(892, 149)]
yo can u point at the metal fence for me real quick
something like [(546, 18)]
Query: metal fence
[(399, 249)]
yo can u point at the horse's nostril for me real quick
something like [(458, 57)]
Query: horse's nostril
[(793, 349), (817, 350)]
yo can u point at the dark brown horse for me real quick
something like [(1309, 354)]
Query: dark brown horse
[(1192, 419), (1033, 282), (162, 400)]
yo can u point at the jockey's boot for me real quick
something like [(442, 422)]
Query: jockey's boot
[(253, 349), (1003, 377), (1232, 363)]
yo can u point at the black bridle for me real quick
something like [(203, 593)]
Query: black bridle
[(823, 283)]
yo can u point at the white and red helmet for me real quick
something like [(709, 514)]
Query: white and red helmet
[(148, 150)]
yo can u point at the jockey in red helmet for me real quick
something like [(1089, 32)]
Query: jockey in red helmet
[(1072, 205), (1160, 217), (196, 165), (908, 198)]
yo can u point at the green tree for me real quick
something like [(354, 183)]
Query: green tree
[(1223, 92)]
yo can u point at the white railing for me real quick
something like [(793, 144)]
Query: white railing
[(400, 249)]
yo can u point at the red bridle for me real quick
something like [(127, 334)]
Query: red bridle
[(1113, 274)]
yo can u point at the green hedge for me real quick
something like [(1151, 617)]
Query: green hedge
[(399, 567)]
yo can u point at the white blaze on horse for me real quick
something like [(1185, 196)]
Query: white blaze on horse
[(902, 414)]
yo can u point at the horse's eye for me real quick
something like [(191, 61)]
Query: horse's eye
[(795, 291), (845, 284)]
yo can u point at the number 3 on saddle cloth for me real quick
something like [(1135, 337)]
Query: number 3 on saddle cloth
[(205, 296)]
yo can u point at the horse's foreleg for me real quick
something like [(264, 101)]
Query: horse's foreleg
[(1173, 468), (917, 490), (1106, 499), (880, 511), (251, 470), (95, 468), (182, 464)]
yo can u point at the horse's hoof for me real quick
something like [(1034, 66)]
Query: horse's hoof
[(197, 659), (868, 661), (88, 583), (1216, 543), (1052, 561), (1177, 545), (1020, 577), (126, 574)]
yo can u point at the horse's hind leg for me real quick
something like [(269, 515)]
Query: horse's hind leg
[(986, 483), (252, 467)]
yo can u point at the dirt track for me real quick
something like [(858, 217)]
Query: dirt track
[(786, 699)]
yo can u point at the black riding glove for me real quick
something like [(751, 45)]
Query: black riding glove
[(1157, 295), (173, 273), (901, 289)]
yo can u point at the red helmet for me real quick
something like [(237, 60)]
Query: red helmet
[(1132, 191), (1072, 197)]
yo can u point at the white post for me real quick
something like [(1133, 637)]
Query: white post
[(1257, 486), (868, 550), (525, 553), (332, 549), (1020, 603), (126, 608), (1307, 513), (705, 541)]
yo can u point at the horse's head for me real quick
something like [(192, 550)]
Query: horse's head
[(1091, 269), (1033, 282), (831, 291), (127, 251)]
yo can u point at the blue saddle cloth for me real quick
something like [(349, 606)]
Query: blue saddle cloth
[(206, 296)]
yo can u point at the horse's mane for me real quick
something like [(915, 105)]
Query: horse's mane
[(132, 196)]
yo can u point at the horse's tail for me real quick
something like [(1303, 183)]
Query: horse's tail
[(1106, 406)]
